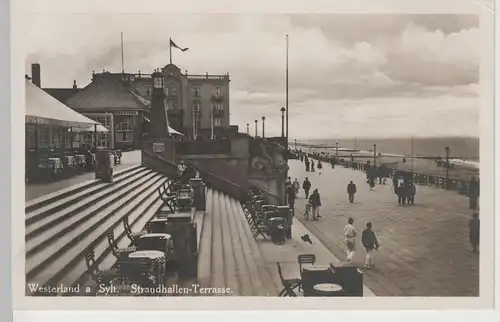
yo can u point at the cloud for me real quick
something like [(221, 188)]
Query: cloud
[(340, 59)]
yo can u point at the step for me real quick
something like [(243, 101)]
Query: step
[(54, 227), (36, 203), (242, 271), (68, 236), (75, 273), (65, 208), (73, 250), (205, 242), (266, 288)]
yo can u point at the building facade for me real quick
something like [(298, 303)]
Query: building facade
[(197, 105)]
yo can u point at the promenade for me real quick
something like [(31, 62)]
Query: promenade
[(36, 190), (424, 247)]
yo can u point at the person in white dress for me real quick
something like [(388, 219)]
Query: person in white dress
[(350, 234)]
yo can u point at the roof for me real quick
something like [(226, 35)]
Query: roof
[(41, 108), (61, 94), (106, 92)]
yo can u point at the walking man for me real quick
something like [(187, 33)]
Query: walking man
[(315, 201), (350, 239), (473, 193), (306, 185), (312, 165), (401, 192), (412, 190), (351, 190), (320, 166), (290, 194), (307, 164), (370, 243), (474, 231)]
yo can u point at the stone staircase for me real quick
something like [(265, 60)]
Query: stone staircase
[(62, 225), (229, 256)]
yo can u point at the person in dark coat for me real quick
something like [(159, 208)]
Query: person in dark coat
[(290, 193), (315, 201), (307, 164), (351, 190), (320, 166), (474, 231), (412, 190), (473, 193), (401, 192), (306, 185), (312, 165), (369, 241)]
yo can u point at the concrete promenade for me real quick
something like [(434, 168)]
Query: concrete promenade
[(33, 191), (424, 248)]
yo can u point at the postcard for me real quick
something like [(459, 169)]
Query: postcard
[(310, 156)]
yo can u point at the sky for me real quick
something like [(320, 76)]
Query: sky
[(349, 75)]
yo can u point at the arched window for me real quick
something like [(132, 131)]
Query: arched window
[(124, 132)]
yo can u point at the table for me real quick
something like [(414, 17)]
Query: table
[(158, 224), (156, 259), (315, 274), (158, 242), (327, 289)]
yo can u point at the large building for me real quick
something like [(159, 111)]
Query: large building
[(197, 105)]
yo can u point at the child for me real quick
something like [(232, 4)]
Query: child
[(307, 211)]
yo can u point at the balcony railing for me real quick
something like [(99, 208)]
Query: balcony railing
[(217, 97), (218, 112)]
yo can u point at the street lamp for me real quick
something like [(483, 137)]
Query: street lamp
[(263, 127), (447, 165), (282, 122), (337, 150), (248, 129), (256, 128), (374, 156)]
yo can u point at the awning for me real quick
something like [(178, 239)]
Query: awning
[(89, 129), (43, 109), (171, 131)]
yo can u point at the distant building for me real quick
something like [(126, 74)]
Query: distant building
[(196, 104)]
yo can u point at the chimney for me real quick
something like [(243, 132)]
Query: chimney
[(35, 74)]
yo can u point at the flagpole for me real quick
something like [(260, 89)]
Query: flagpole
[(170, 49), (212, 123), (286, 101), (123, 68)]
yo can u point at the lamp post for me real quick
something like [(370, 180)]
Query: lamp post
[(295, 144), (374, 156), (263, 127), (256, 128), (447, 165), (248, 129), (337, 150), (282, 122)]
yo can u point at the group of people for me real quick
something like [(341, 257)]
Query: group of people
[(309, 163), (368, 239), (314, 200), (405, 192)]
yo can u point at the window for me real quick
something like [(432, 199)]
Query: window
[(196, 106), (124, 132), (166, 90), (196, 91), (217, 121), (103, 140), (218, 106), (198, 123), (30, 137), (174, 90), (217, 91), (43, 136)]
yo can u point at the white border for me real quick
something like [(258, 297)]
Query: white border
[(256, 6)]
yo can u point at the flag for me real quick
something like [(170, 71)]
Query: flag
[(172, 44)]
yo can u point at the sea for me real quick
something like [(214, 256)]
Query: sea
[(464, 148)]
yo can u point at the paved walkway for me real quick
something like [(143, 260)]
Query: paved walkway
[(424, 248), (33, 191)]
